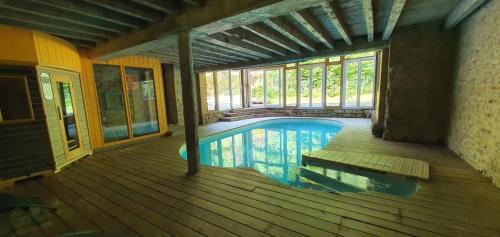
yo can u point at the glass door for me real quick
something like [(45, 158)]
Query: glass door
[(311, 89), (67, 115), (272, 87), (359, 83)]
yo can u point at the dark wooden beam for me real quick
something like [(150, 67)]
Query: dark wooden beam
[(30, 18), (80, 43), (214, 58), (396, 9), (368, 15), (235, 44), (334, 19), (52, 30), (225, 49), (273, 36), (166, 6), (63, 16), (218, 53), (281, 25), (307, 20), (194, 3), (189, 92), (359, 45), (461, 11), (79, 7), (251, 38), (215, 16), (124, 8)]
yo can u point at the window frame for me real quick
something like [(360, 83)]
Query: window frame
[(323, 85), (358, 61), (264, 81), (28, 95)]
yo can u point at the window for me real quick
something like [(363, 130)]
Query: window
[(209, 80), (265, 87), (256, 80), (333, 77), (111, 102), (273, 87), (15, 102), (359, 79), (224, 90), (291, 87), (360, 55), (236, 89), (142, 101), (311, 85)]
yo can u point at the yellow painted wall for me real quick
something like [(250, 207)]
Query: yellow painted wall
[(16, 46), (55, 52), (92, 103)]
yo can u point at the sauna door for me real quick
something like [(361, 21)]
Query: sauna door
[(66, 110)]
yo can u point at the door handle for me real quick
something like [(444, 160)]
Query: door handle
[(59, 112)]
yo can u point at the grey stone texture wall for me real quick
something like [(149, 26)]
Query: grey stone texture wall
[(178, 94), (474, 131), (421, 60)]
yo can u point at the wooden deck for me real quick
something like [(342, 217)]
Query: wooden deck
[(142, 190), (378, 162)]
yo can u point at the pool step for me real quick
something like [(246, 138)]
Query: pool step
[(327, 182), (382, 163), (247, 113)]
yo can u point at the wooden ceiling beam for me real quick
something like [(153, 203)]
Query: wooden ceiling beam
[(194, 3), (214, 58), (368, 15), (359, 45), (223, 49), (79, 7), (273, 36), (80, 43), (461, 11), (307, 20), (52, 30), (124, 8), (287, 29), (63, 16), (215, 16), (218, 53), (28, 17), (334, 19), (234, 44), (166, 6), (251, 38), (396, 9)]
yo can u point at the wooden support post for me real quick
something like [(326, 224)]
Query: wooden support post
[(189, 92)]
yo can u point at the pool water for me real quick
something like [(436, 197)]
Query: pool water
[(274, 148)]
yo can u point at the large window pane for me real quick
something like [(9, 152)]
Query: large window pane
[(351, 84), (224, 90), (304, 86), (256, 80), (236, 89), (333, 77), (142, 101), (367, 83), (111, 103), (317, 86), (291, 87), (273, 95), (15, 102), (209, 80)]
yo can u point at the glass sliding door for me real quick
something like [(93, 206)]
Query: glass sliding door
[(312, 79), (142, 101), (272, 80), (236, 89), (291, 87), (224, 90), (109, 89), (256, 80), (333, 78), (359, 83)]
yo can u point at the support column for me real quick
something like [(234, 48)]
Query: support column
[(189, 95)]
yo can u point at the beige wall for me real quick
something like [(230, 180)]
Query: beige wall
[(421, 62), (474, 132)]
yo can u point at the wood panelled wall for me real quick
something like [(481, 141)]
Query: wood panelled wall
[(56, 53), (25, 146), (17, 46), (92, 104)]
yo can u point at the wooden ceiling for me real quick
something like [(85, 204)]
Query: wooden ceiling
[(227, 33)]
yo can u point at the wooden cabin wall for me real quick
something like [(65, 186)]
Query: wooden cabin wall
[(91, 100), (25, 146), (53, 121), (55, 52), (17, 46)]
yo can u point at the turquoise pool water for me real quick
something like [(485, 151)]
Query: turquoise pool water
[(274, 148)]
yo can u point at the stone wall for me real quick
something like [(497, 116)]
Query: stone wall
[(421, 62), (474, 132), (178, 95)]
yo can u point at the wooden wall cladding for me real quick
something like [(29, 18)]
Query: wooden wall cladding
[(24, 146), (55, 52), (91, 101)]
